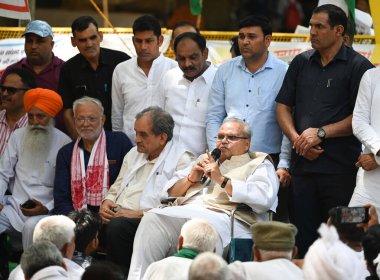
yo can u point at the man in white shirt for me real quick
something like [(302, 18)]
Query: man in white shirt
[(241, 177), (140, 185), (135, 82), (185, 90)]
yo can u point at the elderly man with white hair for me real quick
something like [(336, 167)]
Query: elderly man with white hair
[(59, 230), (197, 236), (28, 163)]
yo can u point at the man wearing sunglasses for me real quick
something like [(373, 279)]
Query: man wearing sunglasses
[(13, 116), (237, 177)]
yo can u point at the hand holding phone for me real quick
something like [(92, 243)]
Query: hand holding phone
[(352, 215)]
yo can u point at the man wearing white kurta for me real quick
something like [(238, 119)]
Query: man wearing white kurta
[(135, 81), (242, 177), (185, 90), (145, 171), (27, 166), (366, 127)]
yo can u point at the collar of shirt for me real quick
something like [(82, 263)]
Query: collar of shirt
[(56, 61), (341, 55), (207, 76), (267, 65), (20, 123)]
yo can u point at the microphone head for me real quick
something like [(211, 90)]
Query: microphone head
[(216, 153)]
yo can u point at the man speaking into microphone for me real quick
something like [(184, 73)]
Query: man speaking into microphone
[(239, 176)]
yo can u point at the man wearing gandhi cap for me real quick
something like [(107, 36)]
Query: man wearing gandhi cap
[(273, 249), (27, 166)]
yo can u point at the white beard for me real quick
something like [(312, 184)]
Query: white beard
[(36, 146)]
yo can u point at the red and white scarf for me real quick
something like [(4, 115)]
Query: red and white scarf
[(89, 186)]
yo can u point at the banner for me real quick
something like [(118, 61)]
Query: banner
[(17, 9)]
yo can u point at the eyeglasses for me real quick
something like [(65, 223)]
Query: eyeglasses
[(230, 138), (89, 119), (11, 90)]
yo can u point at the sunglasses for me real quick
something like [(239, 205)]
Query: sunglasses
[(230, 138), (10, 90)]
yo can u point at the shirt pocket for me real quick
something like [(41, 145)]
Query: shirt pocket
[(263, 99)]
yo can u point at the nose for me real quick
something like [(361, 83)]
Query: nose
[(187, 62)]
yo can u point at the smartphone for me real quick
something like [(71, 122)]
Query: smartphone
[(29, 204), (352, 215)]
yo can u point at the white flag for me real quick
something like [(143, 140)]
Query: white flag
[(17, 9)]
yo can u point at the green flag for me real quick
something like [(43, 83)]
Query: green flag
[(196, 7), (351, 10)]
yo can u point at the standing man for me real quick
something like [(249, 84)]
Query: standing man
[(88, 166), (185, 90), (13, 116), (28, 163), (89, 73), (135, 82), (40, 60), (314, 110)]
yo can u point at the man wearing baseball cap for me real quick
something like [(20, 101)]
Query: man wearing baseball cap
[(27, 166), (40, 59), (273, 249)]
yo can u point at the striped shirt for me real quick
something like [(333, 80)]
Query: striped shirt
[(6, 131)]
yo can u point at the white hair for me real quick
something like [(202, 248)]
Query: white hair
[(57, 229), (246, 129), (270, 255), (86, 99), (209, 266), (199, 235)]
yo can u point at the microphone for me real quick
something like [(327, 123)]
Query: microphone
[(215, 155)]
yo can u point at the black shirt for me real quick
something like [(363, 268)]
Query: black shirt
[(78, 79), (322, 95)]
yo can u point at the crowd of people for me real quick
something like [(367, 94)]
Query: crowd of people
[(146, 158)]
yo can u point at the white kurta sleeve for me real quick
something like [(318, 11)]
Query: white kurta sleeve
[(117, 101)]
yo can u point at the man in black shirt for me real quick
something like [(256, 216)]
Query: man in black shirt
[(89, 72), (314, 110)]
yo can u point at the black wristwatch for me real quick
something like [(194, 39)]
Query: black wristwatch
[(225, 181), (321, 133)]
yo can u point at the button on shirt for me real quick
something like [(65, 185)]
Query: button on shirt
[(236, 92), (187, 102), (6, 131), (133, 91)]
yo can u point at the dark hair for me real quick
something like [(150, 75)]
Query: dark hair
[(350, 32), (196, 37), (371, 247), (235, 45), (147, 23), (82, 23), (88, 224), (336, 15), (162, 121), (27, 78), (184, 23), (257, 20), (103, 270)]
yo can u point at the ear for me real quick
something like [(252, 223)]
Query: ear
[(100, 35), (268, 40), (339, 30), (103, 119), (73, 42), (163, 138), (180, 242), (65, 250), (205, 53), (294, 252), (160, 40), (256, 254)]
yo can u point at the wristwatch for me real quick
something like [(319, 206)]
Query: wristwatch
[(321, 133), (225, 181)]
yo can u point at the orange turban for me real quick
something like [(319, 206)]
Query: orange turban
[(44, 99)]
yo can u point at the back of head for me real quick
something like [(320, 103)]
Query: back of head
[(371, 247), (57, 229), (82, 23), (196, 37), (209, 266), (183, 24), (256, 21), (88, 224), (336, 15), (27, 78), (103, 270), (199, 235), (39, 255), (147, 23)]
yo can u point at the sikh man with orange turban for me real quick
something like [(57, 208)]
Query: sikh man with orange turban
[(27, 166)]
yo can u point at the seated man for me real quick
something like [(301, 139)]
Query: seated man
[(88, 225), (88, 166), (197, 236), (241, 177), (28, 163), (145, 171), (273, 249), (59, 230)]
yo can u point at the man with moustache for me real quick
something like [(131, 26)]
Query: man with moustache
[(140, 184), (28, 163), (185, 89), (89, 73), (237, 177), (13, 116), (89, 165), (135, 82)]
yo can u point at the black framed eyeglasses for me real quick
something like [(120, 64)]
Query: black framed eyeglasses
[(230, 138), (11, 90)]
